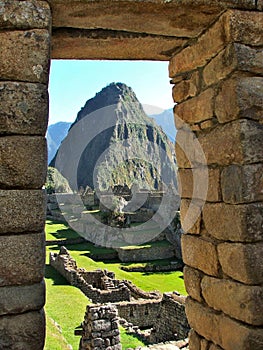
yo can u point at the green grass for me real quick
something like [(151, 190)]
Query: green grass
[(129, 340), (66, 304), (57, 230), (54, 338), (148, 245)]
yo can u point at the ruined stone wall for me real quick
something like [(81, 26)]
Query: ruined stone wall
[(79, 278), (100, 328), (141, 313), (171, 322), (24, 68), (218, 85), (166, 316)]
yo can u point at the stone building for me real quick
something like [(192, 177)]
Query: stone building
[(215, 54)]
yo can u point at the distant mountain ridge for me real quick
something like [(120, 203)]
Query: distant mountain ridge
[(55, 135), (166, 121), (127, 143)]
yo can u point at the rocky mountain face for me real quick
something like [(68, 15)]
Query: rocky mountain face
[(113, 141)]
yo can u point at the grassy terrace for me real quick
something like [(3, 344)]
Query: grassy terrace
[(65, 306)]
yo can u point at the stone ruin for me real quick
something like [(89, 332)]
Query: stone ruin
[(162, 315), (100, 286), (71, 208), (100, 328), (214, 49)]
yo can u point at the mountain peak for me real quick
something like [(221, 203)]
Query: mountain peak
[(110, 95)]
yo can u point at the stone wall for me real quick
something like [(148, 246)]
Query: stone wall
[(100, 328), (165, 317), (218, 86), (217, 70), (24, 68), (171, 322), (99, 286)]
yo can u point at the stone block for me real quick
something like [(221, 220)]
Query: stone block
[(244, 27), (240, 98), (22, 211), (239, 142), (201, 254), (214, 347), (207, 46), (194, 340), (237, 223), (242, 262), (24, 14), (23, 332), (233, 26), (72, 43), (186, 88), (197, 109), (22, 259), (19, 299), (235, 299), (190, 213), (189, 151), (192, 280), (222, 330), (242, 184), (234, 57), (24, 55), (200, 183), (23, 161), (24, 108)]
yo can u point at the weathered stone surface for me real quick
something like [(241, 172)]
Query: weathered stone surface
[(23, 161), (214, 347), (19, 299), (208, 124), (237, 223), (22, 259), (206, 47), (207, 183), (177, 18), (233, 26), (200, 254), (234, 299), (198, 108), (194, 340), (24, 108), (192, 280), (186, 88), (189, 151), (103, 44), (190, 213), (238, 142), (222, 330), (24, 55), (245, 27), (242, 262), (234, 57), (240, 98), (22, 210), (24, 14), (23, 332), (242, 184)]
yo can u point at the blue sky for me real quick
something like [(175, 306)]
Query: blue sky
[(72, 83)]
